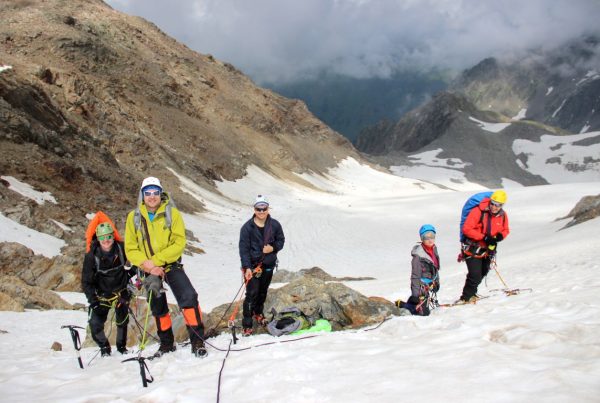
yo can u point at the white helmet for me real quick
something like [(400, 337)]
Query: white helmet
[(151, 181), (261, 200)]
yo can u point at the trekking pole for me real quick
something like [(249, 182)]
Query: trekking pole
[(76, 340)]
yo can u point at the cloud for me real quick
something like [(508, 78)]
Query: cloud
[(280, 40)]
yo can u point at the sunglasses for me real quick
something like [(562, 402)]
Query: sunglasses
[(152, 193), (429, 237), (495, 204), (105, 237), (261, 209)]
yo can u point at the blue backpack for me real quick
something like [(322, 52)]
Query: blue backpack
[(471, 202)]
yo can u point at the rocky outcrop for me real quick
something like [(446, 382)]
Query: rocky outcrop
[(62, 273), (16, 295), (285, 276), (586, 209), (342, 306)]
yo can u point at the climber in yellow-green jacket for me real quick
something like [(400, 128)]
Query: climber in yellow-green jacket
[(154, 241)]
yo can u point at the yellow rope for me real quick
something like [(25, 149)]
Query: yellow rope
[(494, 266)]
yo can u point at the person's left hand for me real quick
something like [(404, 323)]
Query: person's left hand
[(267, 249), (147, 265), (499, 237)]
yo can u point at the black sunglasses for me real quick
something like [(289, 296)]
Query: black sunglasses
[(261, 209)]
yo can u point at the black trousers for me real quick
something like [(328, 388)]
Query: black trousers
[(187, 299), (478, 269), (256, 294), (97, 318)]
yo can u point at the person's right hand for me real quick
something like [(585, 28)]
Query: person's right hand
[(490, 241), (158, 271), (248, 274)]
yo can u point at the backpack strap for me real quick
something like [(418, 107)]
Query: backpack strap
[(137, 216)]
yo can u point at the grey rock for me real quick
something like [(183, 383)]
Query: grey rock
[(586, 209)]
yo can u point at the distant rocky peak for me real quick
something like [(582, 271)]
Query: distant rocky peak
[(487, 69)]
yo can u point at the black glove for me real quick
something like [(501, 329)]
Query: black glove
[(414, 300), (436, 287), (499, 237), (490, 241)]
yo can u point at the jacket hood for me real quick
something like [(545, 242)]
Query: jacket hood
[(418, 250)]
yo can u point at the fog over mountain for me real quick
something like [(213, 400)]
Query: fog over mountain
[(274, 41)]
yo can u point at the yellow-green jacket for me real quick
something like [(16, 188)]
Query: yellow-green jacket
[(167, 243)]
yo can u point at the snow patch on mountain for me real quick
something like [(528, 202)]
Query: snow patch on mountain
[(559, 159), (24, 189), (39, 243), (520, 115), (490, 127)]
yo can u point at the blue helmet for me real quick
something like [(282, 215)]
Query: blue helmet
[(426, 228)]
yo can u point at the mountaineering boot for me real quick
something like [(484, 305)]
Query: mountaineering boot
[(167, 342), (261, 320), (462, 300), (105, 350), (122, 349), (247, 331), (198, 349), (164, 349)]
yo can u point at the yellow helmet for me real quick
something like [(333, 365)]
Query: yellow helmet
[(499, 196)]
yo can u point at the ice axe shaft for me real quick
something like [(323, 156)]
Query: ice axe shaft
[(76, 341)]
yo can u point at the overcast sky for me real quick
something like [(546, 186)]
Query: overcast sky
[(273, 40)]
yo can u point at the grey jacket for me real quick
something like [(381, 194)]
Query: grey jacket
[(422, 267)]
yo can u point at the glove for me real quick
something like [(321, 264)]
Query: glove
[(490, 241), (153, 284), (499, 237), (414, 300), (436, 287)]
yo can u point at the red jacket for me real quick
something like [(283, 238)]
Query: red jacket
[(480, 222)]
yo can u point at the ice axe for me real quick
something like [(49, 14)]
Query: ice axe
[(76, 340)]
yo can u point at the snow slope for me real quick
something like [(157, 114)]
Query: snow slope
[(542, 345)]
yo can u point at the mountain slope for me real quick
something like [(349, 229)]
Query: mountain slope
[(96, 99), (560, 87), (452, 124)]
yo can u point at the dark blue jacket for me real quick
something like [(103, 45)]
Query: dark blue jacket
[(252, 243)]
